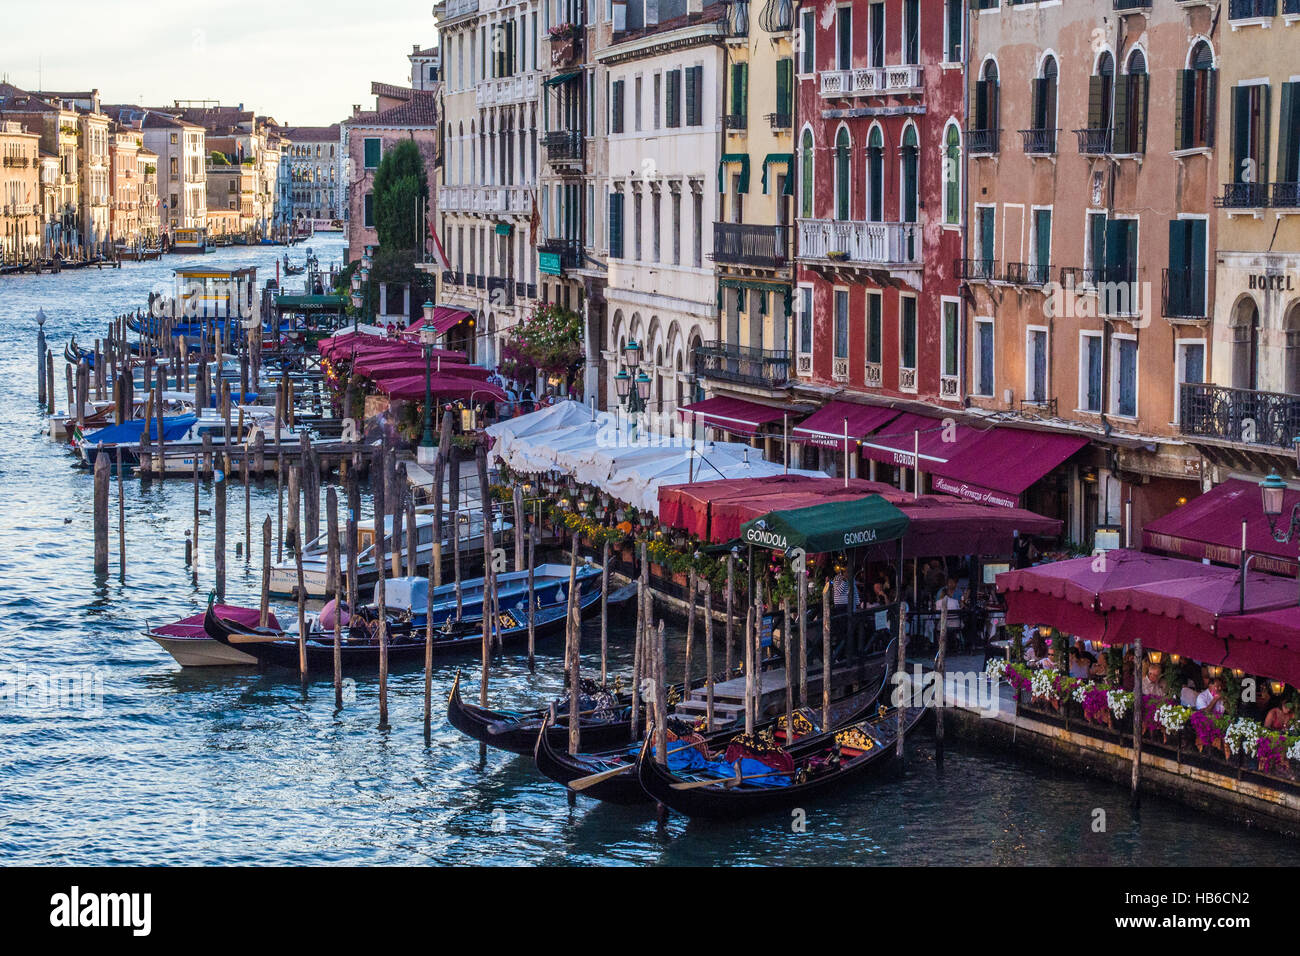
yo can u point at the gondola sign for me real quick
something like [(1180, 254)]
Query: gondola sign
[(833, 526)]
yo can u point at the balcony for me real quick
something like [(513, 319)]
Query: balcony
[(1239, 415), (786, 121), (1127, 5), (764, 368), (458, 8), (1291, 8), (1182, 294), (1286, 195), (504, 90), (1039, 142), (737, 18), (1094, 142), (1251, 9), (563, 147), (851, 243), (978, 270), (767, 247), (1243, 196), (1028, 273), (982, 142), (491, 200), (777, 16), (566, 45), (567, 253), (735, 122), (872, 81)]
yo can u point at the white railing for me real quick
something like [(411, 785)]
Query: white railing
[(485, 199), (871, 81), (885, 243), (506, 89), (458, 8)]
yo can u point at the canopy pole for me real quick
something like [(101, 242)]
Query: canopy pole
[(785, 440), (846, 452), (916, 464), (902, 663), (1137, 720)]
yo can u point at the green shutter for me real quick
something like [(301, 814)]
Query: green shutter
[(1240, 118), (806, 172), (372, 147), (955, 21), (784, 83), (1184, 101), (1211, 106), (1040, 103), (616, 225), (1121, 138), (1286, 133), (1265, 128), (1177, 245), (694, 77), (1042, 239), (1096, 101), (1142, 86)]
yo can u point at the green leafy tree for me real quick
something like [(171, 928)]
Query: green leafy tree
[(401, 187)]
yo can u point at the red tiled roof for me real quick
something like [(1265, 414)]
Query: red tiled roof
[(420, 110)]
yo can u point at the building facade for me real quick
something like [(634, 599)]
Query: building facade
[(488, 206), (665, 82), (312, 157), (20, 206), (59, 127), (124, 185)]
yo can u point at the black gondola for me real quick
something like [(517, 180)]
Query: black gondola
[(818, 765), (516, 731), (360, 649), (623, 788)]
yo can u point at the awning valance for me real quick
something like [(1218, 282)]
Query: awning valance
[(559, 78), (827, 425), (834, 526), (733, 414), (788, 159), (730, 158)]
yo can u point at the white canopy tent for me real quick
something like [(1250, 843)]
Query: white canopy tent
[(609, 453)]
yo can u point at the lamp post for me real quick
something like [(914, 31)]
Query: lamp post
[(1272, 492), (631, 383), (425, 453)]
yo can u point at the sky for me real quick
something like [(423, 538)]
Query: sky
[(304, 62)]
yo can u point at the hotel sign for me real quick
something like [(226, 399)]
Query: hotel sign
[(549, 263)]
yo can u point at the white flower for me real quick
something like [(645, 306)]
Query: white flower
[(1118, 701), (1043, 683), (996, 669), (1240, 733), (1081, 690), (1172, 717), (1293, 752)]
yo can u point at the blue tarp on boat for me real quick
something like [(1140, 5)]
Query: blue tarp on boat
[(129, 432)]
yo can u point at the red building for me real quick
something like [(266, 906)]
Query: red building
[(879, 201)]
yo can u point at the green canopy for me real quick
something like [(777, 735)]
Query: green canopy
[(834, 526), (310, 303)]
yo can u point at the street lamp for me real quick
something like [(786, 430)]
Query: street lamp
[(425, 453), (629, 376), (1272, 492)]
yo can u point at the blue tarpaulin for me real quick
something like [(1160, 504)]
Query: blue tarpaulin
[(129, 432)]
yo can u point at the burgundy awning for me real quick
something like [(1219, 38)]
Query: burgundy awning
[(1209, 526), (909, 434), (444, 317), (733, 414), (1019, 458), (444, 387), (826, 425)]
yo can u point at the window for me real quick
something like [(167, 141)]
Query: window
[(1036, 364), (844, 38), (954, 22), (1190, 367), (1131, 107), (842, 152), (1090, 371), (372, 152), (677, 228), (808, 38), (636, 104), (1185, 283), (695, 96), (656, 95), (874, 328), (876, 39), (673, 100), (698, 231), (1100, 91), (637, 230), (739, 90), (984, 357), (907, 331), (1040, 266), (911, 31), (875, 175), (368, 216), (784, 91), (1250, 111), (985, 222), (1044, 106), (841, 323), (911, 187), (1195, 93), (1288, 147), (951, 338), (805, 320), (1124, 384), (616, 107), (655, 224), (806, 175), (985, 107), (737, 199), (952, 176), (616, 225)]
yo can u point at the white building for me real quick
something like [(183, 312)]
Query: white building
[(664, 118), (182, 164)]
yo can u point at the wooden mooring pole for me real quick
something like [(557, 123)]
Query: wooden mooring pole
[(101, 514)]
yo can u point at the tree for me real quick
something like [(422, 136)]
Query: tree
[(401, 188)]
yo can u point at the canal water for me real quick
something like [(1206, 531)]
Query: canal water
[(160, 765)]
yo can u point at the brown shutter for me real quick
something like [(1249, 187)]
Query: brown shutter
[(1121, 139), (1095, 106), (1184, 97), (1139, 107)]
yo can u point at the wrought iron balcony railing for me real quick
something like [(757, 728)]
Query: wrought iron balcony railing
[(737, 18), (1239, 415), (978, 270), (768, 368), (1028, 273), (1094, 142), (735, 121), (1243, 196), (750, 245), (569, 251), (982, 142), (1291, 7), (786, 121), (1182, 294), (1132, 4), (1039, 142), (563, 146), (1286, 195), (1251, 9), (777, 16)]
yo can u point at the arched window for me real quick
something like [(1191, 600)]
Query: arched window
[(1101, 88), (1042, 138), (984, 121), (875, 175), (1291, 356), (1131, 107), (952, 175), (1245, 344), (842, 151), (1195, 100), (806, 175), (908, 158)]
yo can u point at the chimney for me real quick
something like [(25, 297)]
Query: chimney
[(94, 101), (356, 109)]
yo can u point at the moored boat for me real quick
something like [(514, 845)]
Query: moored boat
[(188, 642)]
